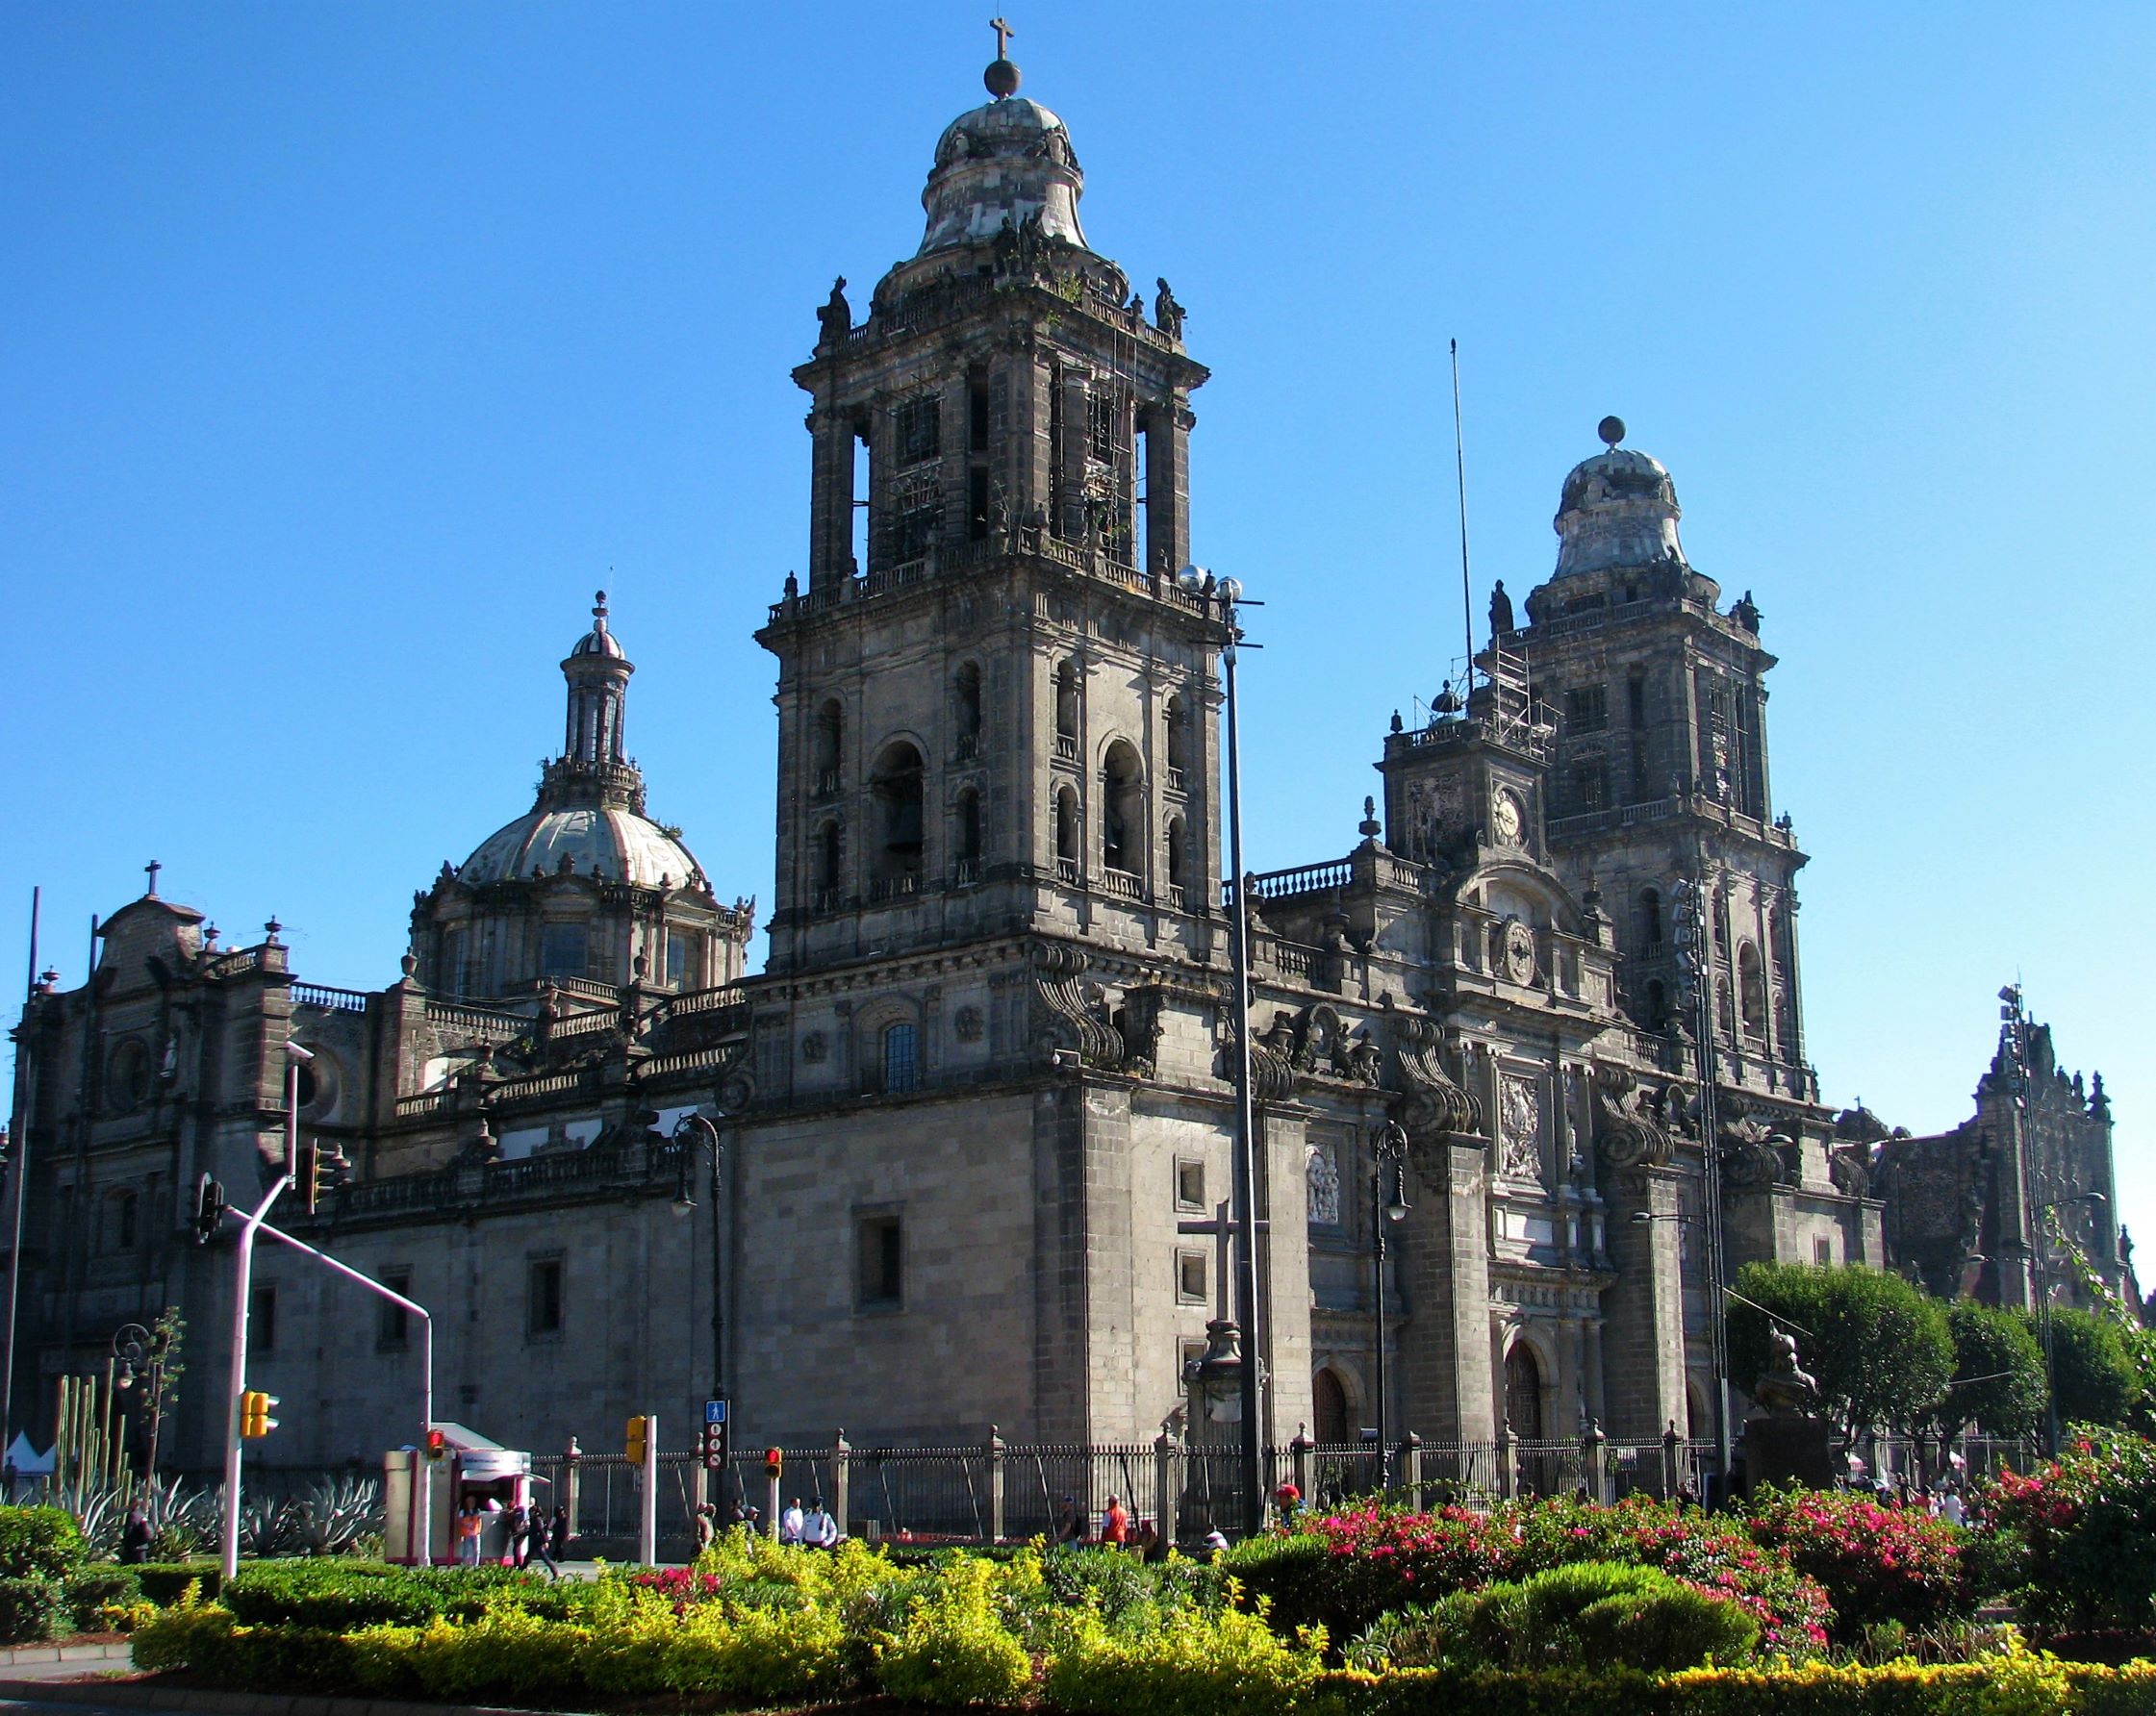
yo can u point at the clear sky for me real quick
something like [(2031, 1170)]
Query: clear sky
[(345, 349)]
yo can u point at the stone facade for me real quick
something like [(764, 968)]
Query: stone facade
[(967, 1115)]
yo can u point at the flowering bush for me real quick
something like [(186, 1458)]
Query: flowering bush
[(2085, 1527), (1878, 1564), (1345, 1569)]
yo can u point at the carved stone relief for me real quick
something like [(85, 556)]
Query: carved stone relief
[(1519, 1126), (1325, 1187)]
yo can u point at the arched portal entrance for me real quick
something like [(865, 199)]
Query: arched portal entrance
[(1329, 1408), (1523, 1393)]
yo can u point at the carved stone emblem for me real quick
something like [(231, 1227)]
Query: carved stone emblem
[(1519, 952), (1519, 1126), (814, 1048), (969, 1025), (1325, 1187)]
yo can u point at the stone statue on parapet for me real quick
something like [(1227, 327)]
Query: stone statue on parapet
[(1500, 611), (1167, 313), (836, 317)]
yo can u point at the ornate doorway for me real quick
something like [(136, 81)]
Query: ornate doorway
[(1329, 1409), (1523, 1393)]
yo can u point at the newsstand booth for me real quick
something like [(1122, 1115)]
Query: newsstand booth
[(472, 1468)]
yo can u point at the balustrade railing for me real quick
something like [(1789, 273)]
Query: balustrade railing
[(331, 1000)]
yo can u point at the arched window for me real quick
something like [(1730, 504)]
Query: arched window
[(901, 1057), (1066, 709), (826, 746), (1122, 810), (1067, 833), (830, 855), (967, 843), (1177, 718), (1329, 1409), (896, 786), (1179, 858), (1751, 990), (127, 1077), (1650, 918), (1523, 1393), (966, 711), (1654, 1004)]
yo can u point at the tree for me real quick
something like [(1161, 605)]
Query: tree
[(1999, 1373), (1878, 1344), (2091, 1371)]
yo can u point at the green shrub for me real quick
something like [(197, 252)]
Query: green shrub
[(1194, 1662), (955, 1648), (341, 1595), (40, 1543), (164, 1581), (92, 1590), (32, 1610)]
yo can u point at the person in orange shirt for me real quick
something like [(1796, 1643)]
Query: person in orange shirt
[(1115, 1525), (468, 1534)]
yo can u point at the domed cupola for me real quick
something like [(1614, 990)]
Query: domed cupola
[(1006, 164), (583, 886), (1619, 510)]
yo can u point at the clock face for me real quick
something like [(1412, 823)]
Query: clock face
[(1506, 815)]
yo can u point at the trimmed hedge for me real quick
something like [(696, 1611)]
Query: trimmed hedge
[(162, 1581), (40, 1543), (91, 1591), (337, 1596), (32, 1610)]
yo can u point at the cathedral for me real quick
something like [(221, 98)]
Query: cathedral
[(967, 1127)]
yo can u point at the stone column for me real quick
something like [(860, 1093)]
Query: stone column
[(1164, 1475), (1446, 1377), (1070, 456), (842, 1482), (1167, 428), (1643, 1309), (831, 544), (996, 1486)]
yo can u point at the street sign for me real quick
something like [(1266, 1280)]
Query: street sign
[(715, 1412), (715, 1447)]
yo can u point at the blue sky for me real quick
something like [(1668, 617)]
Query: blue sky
[(347, 349)]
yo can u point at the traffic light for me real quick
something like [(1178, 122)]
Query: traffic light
[(775, 1462), (209, 1209), (638, 1439), (438, 1445), (254, 1413), (321, 1168)]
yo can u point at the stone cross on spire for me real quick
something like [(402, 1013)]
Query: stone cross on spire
[(1004, 34), (150, 869)]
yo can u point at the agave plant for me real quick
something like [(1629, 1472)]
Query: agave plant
[(335, 1515)]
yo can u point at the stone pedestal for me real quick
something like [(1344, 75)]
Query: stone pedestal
[(1791, 1449)]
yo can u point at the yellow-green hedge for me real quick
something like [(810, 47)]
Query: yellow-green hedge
[(1222, 1664)]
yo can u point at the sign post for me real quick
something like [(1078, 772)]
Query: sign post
[(648, 1515), (715, 1435)]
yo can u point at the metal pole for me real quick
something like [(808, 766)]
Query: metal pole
[(1245, 1174), (426, 1485), (18, 1173), (648, 1512), (1466, 594), (1378, 1335), (243, 1278)]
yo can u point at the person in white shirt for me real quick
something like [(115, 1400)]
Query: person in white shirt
[(1951, 1508), (819, 1529), (790, 1521)]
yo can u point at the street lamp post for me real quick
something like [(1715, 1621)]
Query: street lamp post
[(1388, 1149), (139, 1353), (697, 1132), (1196, 581), (2041, 1238)]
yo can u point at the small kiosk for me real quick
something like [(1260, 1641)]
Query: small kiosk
[(473, 1469)]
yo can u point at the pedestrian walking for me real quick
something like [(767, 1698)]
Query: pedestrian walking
[(519, 1534), (557, 1533), (468, 1534), (707, 1525), (542, 1542), (819, 1530), (135, 1536), (790, 1523), (1070, 1523)]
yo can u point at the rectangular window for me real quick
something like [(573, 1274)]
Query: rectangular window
[(1190, 1185), (1822, 1251), (1190, 1277), (261, 1318), (882, 1263), (902, 1058), (1586, 709), (1104, 426), (542, 1297), (917, 431), (391, 1322), (976, 415), (681, 958), (564, 949)]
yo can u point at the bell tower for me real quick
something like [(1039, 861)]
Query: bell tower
[(996, 708)]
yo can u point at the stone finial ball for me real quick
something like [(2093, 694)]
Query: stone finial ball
[(1002, 78), (1611, 430)]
